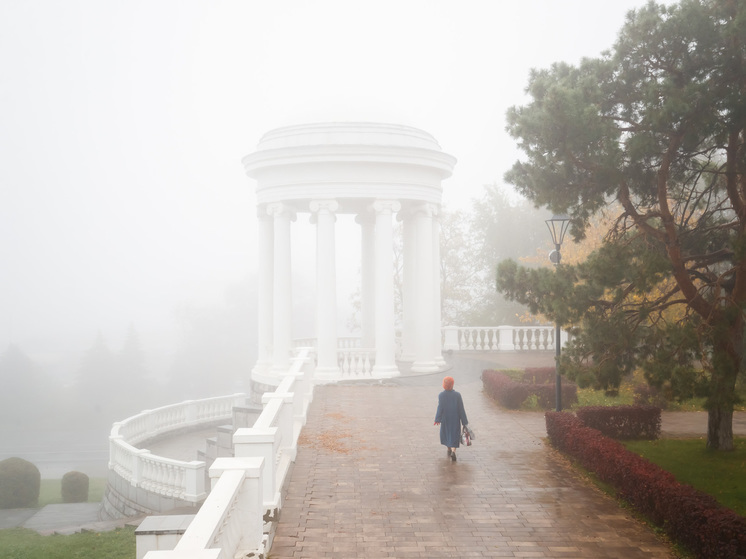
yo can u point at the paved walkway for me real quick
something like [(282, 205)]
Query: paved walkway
[(372, 480)]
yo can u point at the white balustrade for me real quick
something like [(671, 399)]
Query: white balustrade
[(164, 476), (299, 343), (353, 360), (149, 424), (349, 342), (500, 338), (229, 524), (356, 362)]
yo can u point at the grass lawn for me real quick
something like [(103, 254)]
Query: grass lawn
[(27, 544), (50, 492), (720, 474), (20, 543)]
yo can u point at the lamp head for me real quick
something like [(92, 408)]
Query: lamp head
[(558, 226)]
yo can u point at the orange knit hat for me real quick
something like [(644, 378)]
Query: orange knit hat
[(448, 383)]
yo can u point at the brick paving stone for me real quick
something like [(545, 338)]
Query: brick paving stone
[(372, 480)]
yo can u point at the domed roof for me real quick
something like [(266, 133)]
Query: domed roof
[(347, 133), (351, 162)]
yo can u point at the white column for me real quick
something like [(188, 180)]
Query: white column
[(264, 290), (367, 283), (424, 352), (326, 289), (409, 294), (385, 336), (437, 334), (282, 289)]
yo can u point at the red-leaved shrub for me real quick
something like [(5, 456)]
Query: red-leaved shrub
[(505, 390), (689, 516), (623, 422), (540, 375), (510, 393)]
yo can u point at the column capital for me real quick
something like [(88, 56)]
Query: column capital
[(277, 209), (426, 208), (330, 206), (365, 217), (386, 206), (262, 212)]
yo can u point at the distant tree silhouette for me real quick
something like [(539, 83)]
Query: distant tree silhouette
[(130, 376), (96, 387), (25, 390)]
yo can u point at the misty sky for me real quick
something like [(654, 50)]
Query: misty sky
[(123, 125)]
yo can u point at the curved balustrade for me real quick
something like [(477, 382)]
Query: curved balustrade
[(156, 474), (149, 424)]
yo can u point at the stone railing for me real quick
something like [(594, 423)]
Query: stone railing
[(165, 477), (353, 360), (347, 342), (500, 338), (356, 362), (246, 489)]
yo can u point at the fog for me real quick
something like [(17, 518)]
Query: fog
[(123, 201)]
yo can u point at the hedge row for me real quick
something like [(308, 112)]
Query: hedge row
[(511, 394), (690, 517), (623, 422), (540, 375)]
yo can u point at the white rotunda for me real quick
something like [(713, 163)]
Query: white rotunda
[(376, 172)]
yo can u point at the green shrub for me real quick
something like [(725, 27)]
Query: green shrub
[(75, 487), (19, 484)]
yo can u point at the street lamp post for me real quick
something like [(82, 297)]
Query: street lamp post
[(557, 225)]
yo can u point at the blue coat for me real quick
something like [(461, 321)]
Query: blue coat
[(451, 415)]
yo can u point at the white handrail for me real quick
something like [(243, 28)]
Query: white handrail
[(244, 488), (149, 424)]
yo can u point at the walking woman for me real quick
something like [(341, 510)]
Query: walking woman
[(450, 416)]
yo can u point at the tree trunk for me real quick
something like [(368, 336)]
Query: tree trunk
[(720, 429), (726, 365)]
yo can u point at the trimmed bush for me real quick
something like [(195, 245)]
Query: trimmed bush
[(511, 394), (690, 517), (623, 422), (75, 487), (540, 375), (505, 390), (20, 482)]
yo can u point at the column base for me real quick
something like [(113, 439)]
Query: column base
[(425, 367)]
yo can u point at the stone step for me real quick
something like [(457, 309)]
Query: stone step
[(225, 438), (245, 416)]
